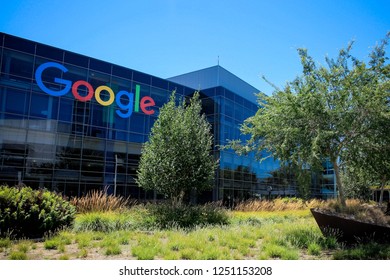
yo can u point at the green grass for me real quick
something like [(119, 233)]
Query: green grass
[(4, 244), (84, 239), (64, 257), (275, 251), (286, 235), (59, 241), (17, 256), (147, 247), (113, 249), (24, 246), (314, 249), (371, 251), (83, 253)]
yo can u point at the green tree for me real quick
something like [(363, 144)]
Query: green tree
[(368, 162), (326, 113), (177, 158)]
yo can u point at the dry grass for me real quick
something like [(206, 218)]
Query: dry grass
[(99, 201), (365, 212), (279, 204)]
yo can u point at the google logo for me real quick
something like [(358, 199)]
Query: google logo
[(125, 109)]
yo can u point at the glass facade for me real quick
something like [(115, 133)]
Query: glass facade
[(65, 143), (233, 100)]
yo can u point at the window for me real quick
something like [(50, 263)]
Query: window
[(43, 106), (50, 52), (17, 66), (122, 72), (16, 101), (141, 77), (160, 83), (76, 59), (19, 44), (137, 123), (159, 96), (100, 66), (66, 109)]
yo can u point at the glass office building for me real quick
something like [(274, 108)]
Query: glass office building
[(72, 123)]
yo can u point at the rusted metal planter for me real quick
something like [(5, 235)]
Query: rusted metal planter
[(349, 230)]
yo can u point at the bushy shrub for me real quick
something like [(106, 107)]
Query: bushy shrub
[(187, 216), (25, 212), (100, 201)]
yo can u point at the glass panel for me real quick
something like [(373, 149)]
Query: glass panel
[(64, 127), (44, 106), (121, 123), (137, 123), (173, 86), (15, 121), (100, 66), (97, 116), (39, 105), (100, 132), (160, 83), (76, 59), (18, 66), (16, 101), (66, 109), (141, 77), (229, 108), (238, 99), (138, 138), (159, 96), (118, 84), (229, 94), (89, 167), (121, 135), (208, 106), (239, 112), (19, 44), (50, 52), (122, 72)]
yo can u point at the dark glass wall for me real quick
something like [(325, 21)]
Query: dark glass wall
[(240, 177), (64, 144)]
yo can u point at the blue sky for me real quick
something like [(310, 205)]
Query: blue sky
[(172, 37)]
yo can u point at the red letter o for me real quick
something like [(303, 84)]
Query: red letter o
[(76, 93)]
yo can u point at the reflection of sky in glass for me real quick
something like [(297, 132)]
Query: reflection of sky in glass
[(230, 160)]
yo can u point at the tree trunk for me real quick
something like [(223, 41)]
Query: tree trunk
[(339, 185), (383, 183), (178, 199)]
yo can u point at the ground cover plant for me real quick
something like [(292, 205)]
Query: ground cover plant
[(133, 233)]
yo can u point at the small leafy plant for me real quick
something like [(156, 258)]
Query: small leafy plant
[(25, 212)]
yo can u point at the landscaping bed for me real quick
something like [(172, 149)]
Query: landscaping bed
[(291, 234)]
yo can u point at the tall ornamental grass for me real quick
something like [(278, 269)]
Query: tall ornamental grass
[(100, 201), (278, 204)]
